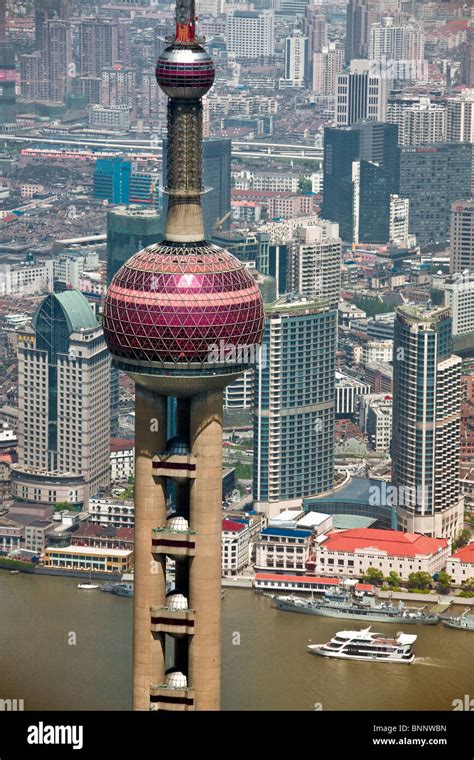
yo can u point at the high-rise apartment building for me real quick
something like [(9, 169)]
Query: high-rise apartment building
[(63, 404), (294, 405), (419, 119), (460, 117), (118, 87), (426, 423), (432, 177), (457, 292), (295, 59), (315, 262), (462, 236), (97, 46), (250, 34), (57, 58), (47, 10), (316, 30), (327, 65), (361, 94), (395, 42)]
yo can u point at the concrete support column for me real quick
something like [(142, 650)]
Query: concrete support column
[(205, 568), (150, 574)]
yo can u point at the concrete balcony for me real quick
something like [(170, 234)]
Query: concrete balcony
[(176, 622), (177, 466), (174, 695), (174, 540)]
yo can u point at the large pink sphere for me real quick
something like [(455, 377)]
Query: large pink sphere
[(175, 304)]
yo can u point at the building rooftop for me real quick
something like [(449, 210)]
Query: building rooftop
[(76, 309), (466, 554), (232, 526), (286, 532), (394, 543)]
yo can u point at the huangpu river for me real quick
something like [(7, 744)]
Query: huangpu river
[(66, 649)]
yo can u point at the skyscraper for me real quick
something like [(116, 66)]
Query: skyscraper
[(360, 15), (97, 46), (7, 84), (350, 189), (462, 236), (294, 405), (361, 94), (426, 423), (46, 10), (63, 373), (183, 318), (432, 177)]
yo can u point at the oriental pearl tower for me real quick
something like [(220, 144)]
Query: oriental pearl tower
[(183, 318)]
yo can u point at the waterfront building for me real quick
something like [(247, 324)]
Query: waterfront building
[(235, 546), (294, 404), (183, 318), (426, 422), (283, 550), (63, 400), (460, 565), (89, 558), (353, 552)]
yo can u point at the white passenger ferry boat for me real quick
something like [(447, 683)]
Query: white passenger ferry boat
[(367, 645)]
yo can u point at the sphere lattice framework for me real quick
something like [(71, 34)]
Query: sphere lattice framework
[(185, 72), (173, 304)]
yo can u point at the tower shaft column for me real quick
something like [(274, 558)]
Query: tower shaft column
[(205, 566), (150, 574)]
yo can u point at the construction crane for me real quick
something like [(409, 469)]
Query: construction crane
[(219, 222)]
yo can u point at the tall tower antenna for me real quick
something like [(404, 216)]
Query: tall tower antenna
[(183, 318)]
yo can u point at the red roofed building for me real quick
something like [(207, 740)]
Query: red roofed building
[(235, 546), (460, 565), (352, 552)]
